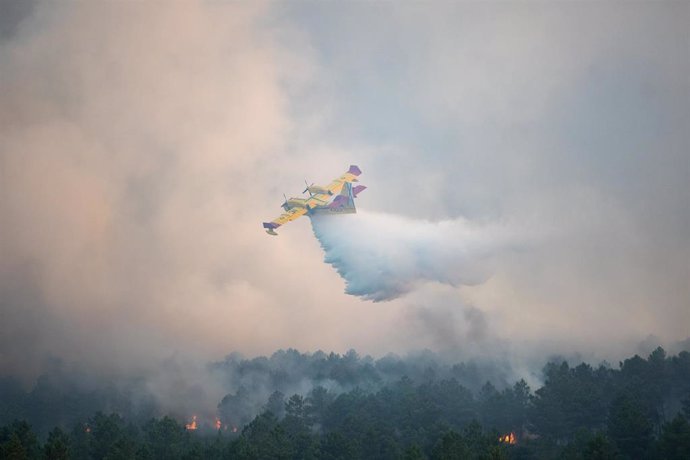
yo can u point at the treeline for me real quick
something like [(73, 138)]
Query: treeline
[(639, 410), (289, 372), (64, 395)]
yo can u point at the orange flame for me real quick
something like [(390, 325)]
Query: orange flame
[(218, 424), (191, 426), (508, 438)]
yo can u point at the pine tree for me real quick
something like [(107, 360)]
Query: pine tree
[(57, 445)]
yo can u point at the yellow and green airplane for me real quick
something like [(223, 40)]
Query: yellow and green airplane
[(338, 197)]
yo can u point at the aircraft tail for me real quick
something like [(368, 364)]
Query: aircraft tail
[(350, 191), (346, 190), (345, 202), (356, 190)]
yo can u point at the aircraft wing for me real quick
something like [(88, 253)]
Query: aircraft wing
[(350, 176), (284, 218), (318, 199)]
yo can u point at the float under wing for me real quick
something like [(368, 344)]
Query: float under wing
[(284, 218)]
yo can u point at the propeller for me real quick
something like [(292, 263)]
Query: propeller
[(307, 189), (285, 202)]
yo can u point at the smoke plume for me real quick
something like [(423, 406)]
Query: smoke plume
[(143, 143)]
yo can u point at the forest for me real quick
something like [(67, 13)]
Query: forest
[(354, 407)]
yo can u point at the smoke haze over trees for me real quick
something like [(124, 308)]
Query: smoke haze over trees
[(352, 407)]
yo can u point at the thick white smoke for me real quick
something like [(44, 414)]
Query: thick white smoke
[(382, 256)]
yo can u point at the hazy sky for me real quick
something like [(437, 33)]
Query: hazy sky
[(142, 145)]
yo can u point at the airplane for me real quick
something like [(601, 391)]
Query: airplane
[(338, 197)]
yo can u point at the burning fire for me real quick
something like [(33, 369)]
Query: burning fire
[(191, 426), (217, 424), (508, 438)]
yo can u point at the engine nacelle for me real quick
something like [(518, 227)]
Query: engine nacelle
[(318, 190)]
